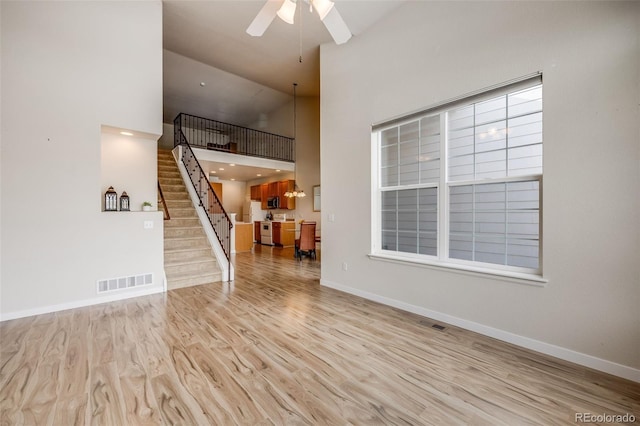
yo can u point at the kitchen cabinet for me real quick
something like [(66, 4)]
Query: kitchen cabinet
[(256, 193), (273, 189), (264, 194), (288, 234), (283, 233), (256, 231), (276, 228), (286, 203), (244, 240), (276, 189)]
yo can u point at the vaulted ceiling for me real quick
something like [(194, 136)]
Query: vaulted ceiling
[(246, 76)]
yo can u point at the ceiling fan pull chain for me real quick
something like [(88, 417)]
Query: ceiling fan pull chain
[(300, 32)]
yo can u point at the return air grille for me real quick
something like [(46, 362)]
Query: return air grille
[(122, 283)]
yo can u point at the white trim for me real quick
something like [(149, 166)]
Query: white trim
[(579, 358), (467, 269), (80, 303)]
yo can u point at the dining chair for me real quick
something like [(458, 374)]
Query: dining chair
[(306, 244)]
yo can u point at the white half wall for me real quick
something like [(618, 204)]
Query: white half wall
[(68, 68), (428, 52)]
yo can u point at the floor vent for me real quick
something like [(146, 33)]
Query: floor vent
[(122, 283), (438, 327)]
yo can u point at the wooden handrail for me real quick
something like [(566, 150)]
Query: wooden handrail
[(164, 203)]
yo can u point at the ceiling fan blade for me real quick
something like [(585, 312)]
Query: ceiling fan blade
[(264, 18), (336, 26)]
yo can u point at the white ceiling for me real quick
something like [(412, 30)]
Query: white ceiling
[(244, 75)]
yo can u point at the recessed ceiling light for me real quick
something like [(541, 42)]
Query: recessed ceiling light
[(126, 133), (259, 174), (221, 168), (213, 171), (232, 179), (278, 170), (202, 83), (232, 165)]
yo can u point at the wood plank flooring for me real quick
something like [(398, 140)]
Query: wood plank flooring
[(275, 347)]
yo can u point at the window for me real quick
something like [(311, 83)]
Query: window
[(460, 184)]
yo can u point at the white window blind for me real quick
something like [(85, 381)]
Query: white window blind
[(460, 183)]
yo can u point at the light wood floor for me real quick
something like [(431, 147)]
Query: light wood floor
[(277, 348)]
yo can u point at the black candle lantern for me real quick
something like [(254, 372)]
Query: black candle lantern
[(124, 202), (111, 200)]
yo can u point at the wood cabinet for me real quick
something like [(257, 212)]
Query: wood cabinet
[(244, 242), (276, 228), (286, 203), (288, 234), (256, 193), (256, 232), (275, 189), (283, 233), (264, 194)]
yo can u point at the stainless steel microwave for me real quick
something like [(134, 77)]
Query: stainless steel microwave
[(273, 202)]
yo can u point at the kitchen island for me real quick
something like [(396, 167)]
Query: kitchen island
[(244, 236)]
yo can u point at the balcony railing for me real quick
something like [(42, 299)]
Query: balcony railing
[(216, 135)]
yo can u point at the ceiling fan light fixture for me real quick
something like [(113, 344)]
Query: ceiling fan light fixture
[(323, 7), (287, 11)]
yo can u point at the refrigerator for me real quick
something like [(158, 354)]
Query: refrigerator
[(252, 211)]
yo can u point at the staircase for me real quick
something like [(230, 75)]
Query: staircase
[(188, 258)]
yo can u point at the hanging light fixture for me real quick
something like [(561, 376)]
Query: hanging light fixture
[(295, 192), (323, 7), (287, 11)]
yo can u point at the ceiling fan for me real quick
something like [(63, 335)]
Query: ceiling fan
[(286, 9)]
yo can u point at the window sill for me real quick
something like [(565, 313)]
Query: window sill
[(517, 277)]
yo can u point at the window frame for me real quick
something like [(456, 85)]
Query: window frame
[(443, 186)]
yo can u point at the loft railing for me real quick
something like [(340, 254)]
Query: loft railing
[(209, 201), (216, 135)]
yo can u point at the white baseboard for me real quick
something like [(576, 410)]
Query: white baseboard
[(585, 360), (80, 303)]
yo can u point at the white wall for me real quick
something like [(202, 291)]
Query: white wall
[(67, 69), (280, 121), (233, 196), (125, 166), (428, 52)]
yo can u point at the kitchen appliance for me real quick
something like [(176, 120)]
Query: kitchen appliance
[(273, 202), (252, 212), (279, 217), (266, 233)]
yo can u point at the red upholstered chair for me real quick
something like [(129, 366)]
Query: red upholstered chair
[(306, 244)]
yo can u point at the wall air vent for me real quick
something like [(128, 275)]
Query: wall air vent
[(123, 283)]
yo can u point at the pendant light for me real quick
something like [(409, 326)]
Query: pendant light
[(297, 192)]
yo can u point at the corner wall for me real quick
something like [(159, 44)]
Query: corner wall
[(68, 69), (427, 52)]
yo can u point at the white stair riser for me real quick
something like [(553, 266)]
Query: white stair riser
[(180, 243), (191, 281), (181, 222), (184, 232), (172, 257), (188, 269)]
